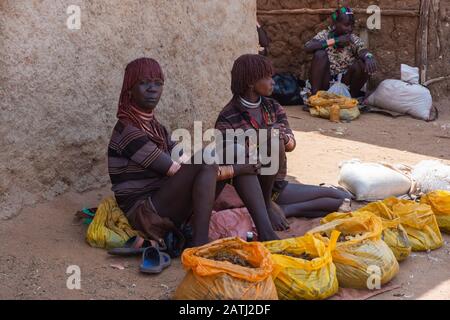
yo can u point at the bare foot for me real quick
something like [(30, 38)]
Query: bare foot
[(277, 208), (268, 235), (277, 218), (198, 240)]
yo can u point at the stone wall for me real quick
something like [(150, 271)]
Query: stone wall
[(59, 88), (394, 44)]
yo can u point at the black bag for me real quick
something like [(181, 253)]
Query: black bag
[(287, 89), (177, 241)]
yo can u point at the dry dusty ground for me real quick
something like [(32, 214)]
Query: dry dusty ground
[(38, 245)]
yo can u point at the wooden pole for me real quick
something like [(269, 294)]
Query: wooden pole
[(437, 22), (398, 13), (431, 81), (422, 39)]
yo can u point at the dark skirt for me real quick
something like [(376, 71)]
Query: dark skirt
[(144, 218)]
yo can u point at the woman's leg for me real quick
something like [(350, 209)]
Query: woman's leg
[(356, 77), (249, 190), (220, 185), (320, 71), (312, 209), (295, 192), (299, 200), (276, 214), (191, 189)]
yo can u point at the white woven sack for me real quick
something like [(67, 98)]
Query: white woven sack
[(372, 181), (431, 175), (402, 97)]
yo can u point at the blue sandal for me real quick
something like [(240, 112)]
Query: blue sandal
[(154, 261), (135, 246)]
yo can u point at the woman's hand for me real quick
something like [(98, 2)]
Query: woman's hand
[(247, 169), (371, 65), (282, 128), (344, 40)]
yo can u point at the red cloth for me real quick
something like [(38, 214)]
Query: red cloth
[(228, 199), (231, 223)]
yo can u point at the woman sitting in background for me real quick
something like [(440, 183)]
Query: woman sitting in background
[(338, 51)]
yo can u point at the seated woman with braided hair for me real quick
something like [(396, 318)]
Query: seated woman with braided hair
[(338, 51), (251, 84), (158, 194)]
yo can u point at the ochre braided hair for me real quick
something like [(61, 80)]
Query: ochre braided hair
[(137, 70), (247, 70)]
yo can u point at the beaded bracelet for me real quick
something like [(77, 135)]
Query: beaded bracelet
[(225, 173), (336, 41), (331, 42), (290, 145), (173, 169)]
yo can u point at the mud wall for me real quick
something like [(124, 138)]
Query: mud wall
[(59, 88), (394, 44)]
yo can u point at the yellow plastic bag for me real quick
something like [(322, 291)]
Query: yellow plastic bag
[(334, 107), (439, 201), (361, 258), (419, 222), (327, 113), (299, 279), (393, 234), (209, 279), (326, 99), (109, 228)]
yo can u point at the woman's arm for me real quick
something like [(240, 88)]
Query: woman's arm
[(314, 45), (369, 61), (285, 129), (363, 53), (263, 38), (164, 165), (139, 148), (319, 42)]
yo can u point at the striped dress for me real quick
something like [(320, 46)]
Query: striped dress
[(235, 116), (130, 154)]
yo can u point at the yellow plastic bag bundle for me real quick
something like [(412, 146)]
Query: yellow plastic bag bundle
[(334, 107), (393, 234), (360, 253), (439, 201), (227, 269), (419, 222), (109, 228), (300, 279)]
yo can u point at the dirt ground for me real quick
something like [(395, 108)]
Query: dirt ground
[(38, 245)]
